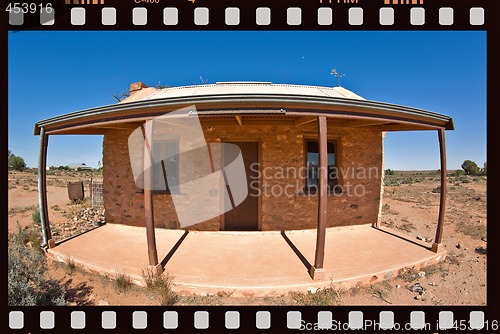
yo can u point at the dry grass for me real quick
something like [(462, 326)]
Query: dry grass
[(22, 209), (435, 269), (27, 236), (322, 297), (380, 292), (408, 274), (356, 290), (122, 282), (69, 266), (472, 229), (452, 258), (161, 285)]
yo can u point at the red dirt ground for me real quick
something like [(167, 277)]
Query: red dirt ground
[(409, 208)]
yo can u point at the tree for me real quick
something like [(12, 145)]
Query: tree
[(389, 171), (16, 163), (470, 167)]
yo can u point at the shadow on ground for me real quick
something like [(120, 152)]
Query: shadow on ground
[(79, 295)]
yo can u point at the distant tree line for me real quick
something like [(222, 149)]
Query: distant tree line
[(469, 167)]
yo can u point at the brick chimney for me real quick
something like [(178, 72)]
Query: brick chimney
[(136, 86)]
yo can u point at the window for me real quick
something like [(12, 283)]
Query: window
[(165, 172), (312, 166)]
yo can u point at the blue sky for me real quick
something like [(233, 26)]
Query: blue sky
[(52, 73)]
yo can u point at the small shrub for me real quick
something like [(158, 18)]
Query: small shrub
[(434, 269), (356, 289), (390, 180), (322, 297), (408, 274), (378, 292), (472, 229), (122, 282), (452, 258), (161, 285), (36, 216), (27, 276), (69, 265), (29, 237), (389, 223), (149, 277), (407, 226), (408, 181)]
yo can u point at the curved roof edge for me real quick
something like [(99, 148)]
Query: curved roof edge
[(152, 103)]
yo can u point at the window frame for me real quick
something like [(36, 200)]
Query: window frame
[(163, 172), (166, 191), (336, 147)]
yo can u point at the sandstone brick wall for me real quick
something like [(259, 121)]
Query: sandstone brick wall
[(281, 147)]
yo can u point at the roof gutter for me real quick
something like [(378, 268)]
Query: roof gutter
[(323, 103)]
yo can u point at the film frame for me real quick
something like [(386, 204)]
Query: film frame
[(386, 15)]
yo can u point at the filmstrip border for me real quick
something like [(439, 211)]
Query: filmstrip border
[(385, 15), (253, 319), (355, 16)]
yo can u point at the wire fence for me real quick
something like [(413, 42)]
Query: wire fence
[(96, 195)]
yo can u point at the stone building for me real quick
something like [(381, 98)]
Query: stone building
[(312, 156)]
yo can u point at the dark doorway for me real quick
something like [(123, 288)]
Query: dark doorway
[(246, 215)]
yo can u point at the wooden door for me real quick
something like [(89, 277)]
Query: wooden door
[(245, 216)]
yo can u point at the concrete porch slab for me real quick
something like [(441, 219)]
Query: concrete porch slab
[(256, 263)]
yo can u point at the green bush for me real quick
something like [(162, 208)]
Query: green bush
[(17, 163), (470, 167), (28, 284)]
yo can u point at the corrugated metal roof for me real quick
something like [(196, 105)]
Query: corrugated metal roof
[(229, 98), (238, 88)]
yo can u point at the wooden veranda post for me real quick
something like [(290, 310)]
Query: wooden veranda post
[(42, 191), (148, 198), (436, 246), (317, 271)]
